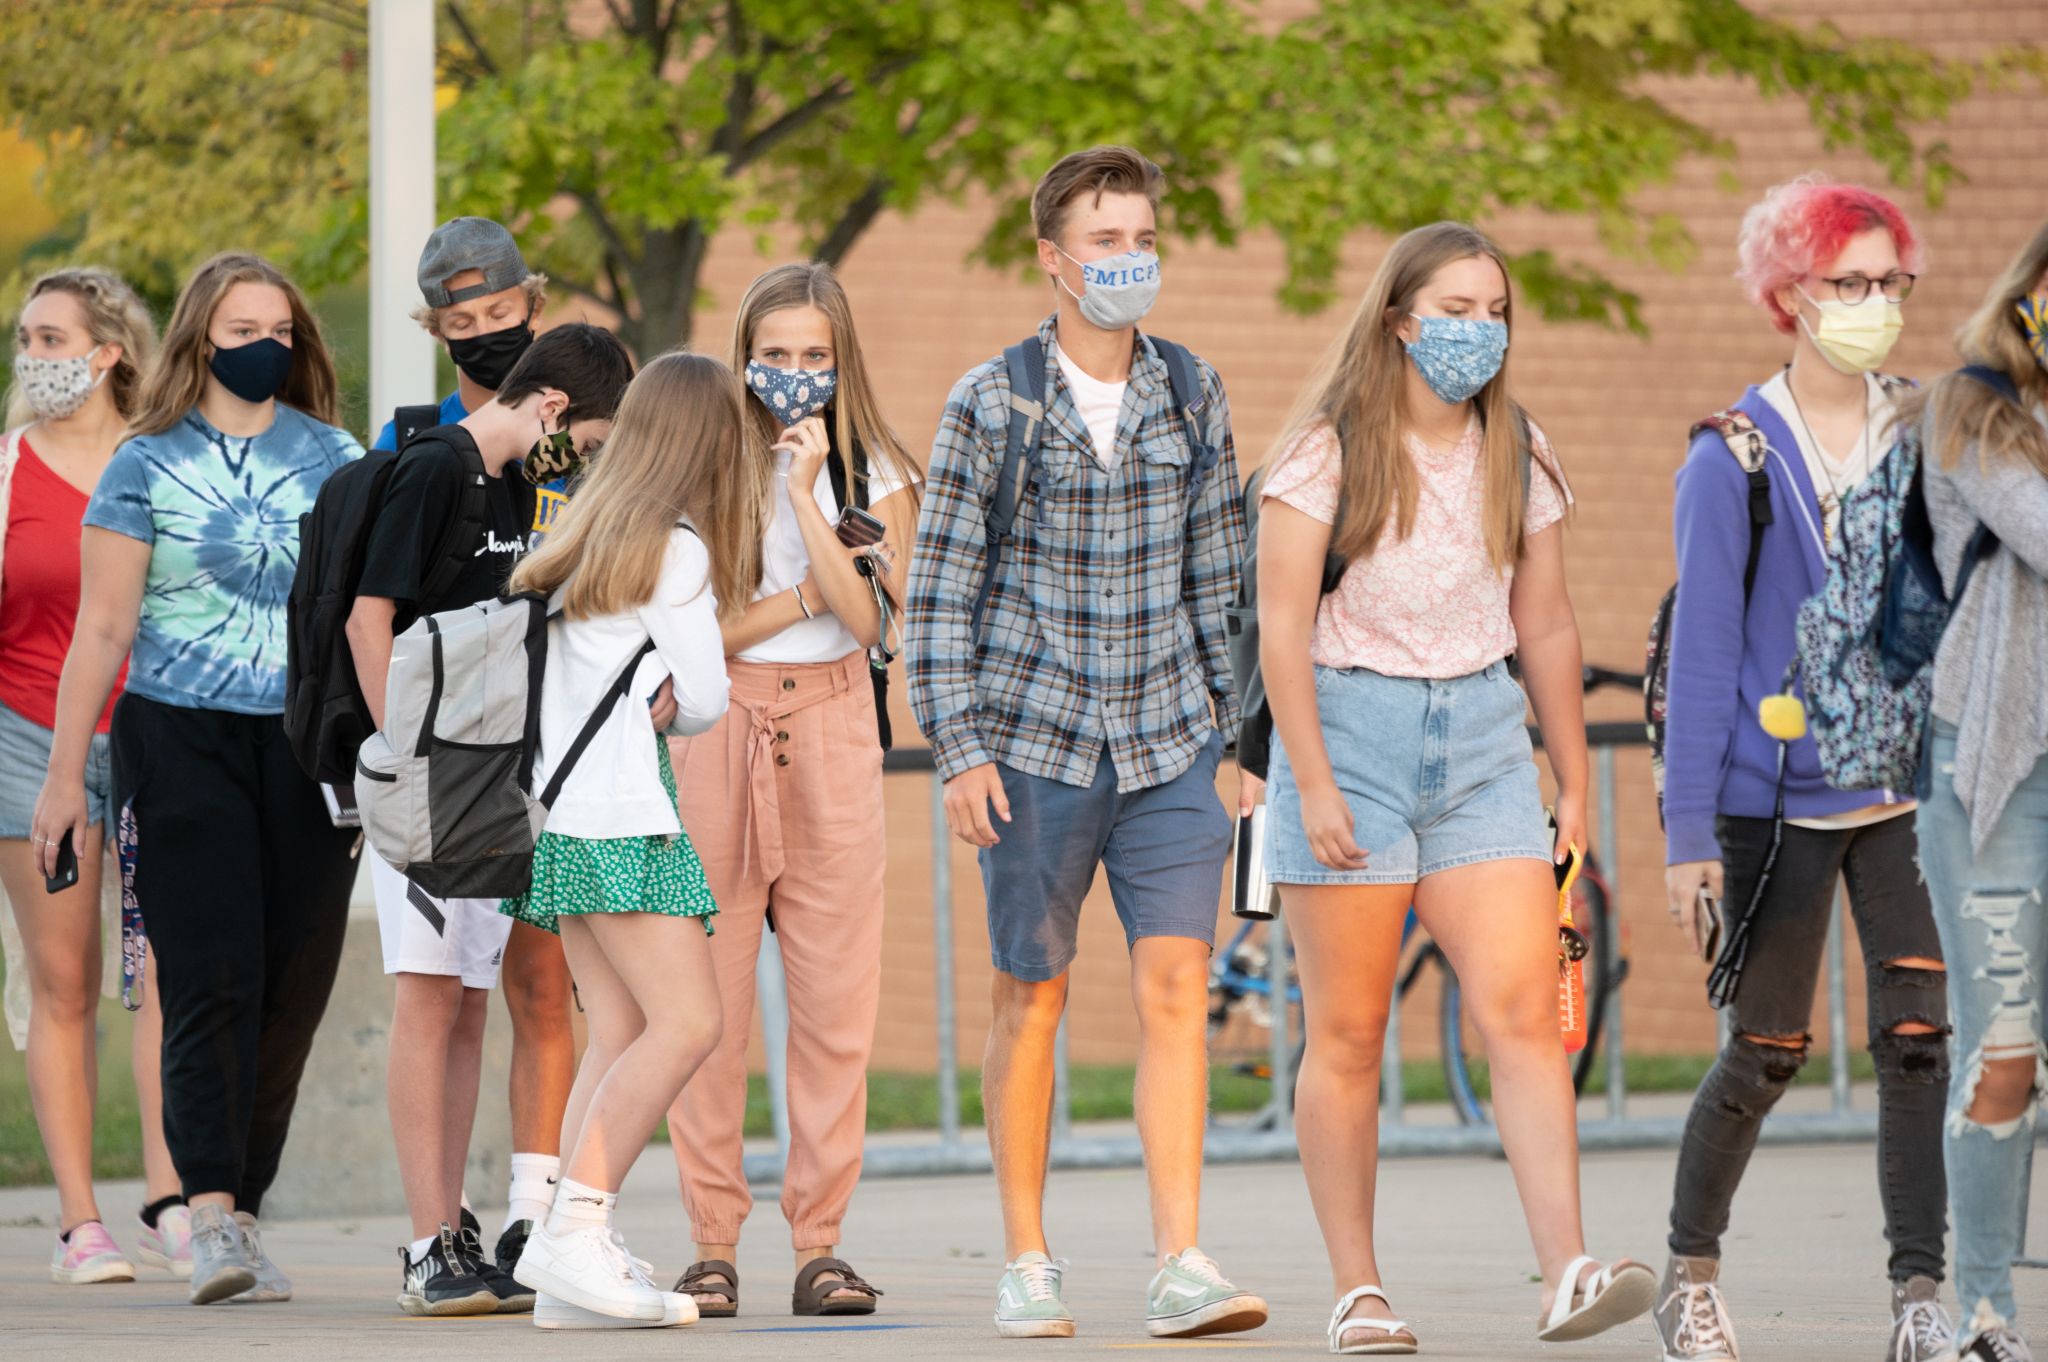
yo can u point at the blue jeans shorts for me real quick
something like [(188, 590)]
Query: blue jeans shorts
[(1164, 849), (1438, 774), (25, 760)]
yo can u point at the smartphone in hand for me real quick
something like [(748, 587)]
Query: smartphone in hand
[(857, 529), (1707, 913), (67, 867)]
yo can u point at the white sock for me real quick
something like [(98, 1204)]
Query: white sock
[(420, 1246), (533, 1187), (578, 1207)]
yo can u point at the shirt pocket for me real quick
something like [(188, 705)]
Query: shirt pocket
[(1060, 503), (1164, 457)]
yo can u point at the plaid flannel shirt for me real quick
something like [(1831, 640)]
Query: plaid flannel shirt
[(1106, 626)]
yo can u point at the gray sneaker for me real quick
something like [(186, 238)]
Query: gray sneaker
[(221, 1266), (1692, 1319), (1993, 1340), (271, 1283), (1190, 1298), (1921, 1329), (1028, 1303)]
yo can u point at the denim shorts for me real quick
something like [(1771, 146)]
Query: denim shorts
[(1438, 774), (25, 760), (1163, 847)]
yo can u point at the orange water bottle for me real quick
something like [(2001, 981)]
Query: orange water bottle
[(1571, 959)]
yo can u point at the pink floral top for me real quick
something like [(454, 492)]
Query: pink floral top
[(1430, 605)]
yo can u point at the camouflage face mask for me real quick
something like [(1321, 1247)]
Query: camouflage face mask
[(553, 456)]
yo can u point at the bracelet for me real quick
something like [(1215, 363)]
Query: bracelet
[(801, 603)]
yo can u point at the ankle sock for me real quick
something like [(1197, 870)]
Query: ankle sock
[(419, 1247), (533, 1188), (158, 1207), (578, 1207)]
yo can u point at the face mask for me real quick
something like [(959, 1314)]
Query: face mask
[(488, 359), (253, 372), (791, 395), (2033, 311), (1120, 288), (1855, 337), (1457, 356), (553, 456), (55, 388)]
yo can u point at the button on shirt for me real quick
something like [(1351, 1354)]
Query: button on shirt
[(1106, 626)]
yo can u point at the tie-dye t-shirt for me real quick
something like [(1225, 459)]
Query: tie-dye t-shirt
[(221, 514)]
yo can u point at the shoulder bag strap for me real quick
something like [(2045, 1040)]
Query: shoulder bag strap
[(1025, 362), (1746, 442)]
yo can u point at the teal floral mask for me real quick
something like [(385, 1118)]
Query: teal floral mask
[(1458, 355)]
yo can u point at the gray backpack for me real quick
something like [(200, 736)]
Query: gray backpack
[(446, 788)]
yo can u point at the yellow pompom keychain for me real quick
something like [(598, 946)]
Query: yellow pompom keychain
[(1783, 716)]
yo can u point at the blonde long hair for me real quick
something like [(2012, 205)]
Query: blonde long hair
[(174, 384), (113, 316), (674, 454), (1965, 412), (1360, 391), (857, 418)]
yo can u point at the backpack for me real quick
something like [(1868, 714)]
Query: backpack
[(855, 470), (325, 719), (1025, 362), (1867, 642), (1241, 616), (446, 788)]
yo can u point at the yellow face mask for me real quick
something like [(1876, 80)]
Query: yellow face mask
[(1856, 337)]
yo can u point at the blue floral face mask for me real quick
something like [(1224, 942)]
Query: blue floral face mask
[(1458, 355), (791, 394)]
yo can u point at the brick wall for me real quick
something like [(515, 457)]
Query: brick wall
[(1617, 406)]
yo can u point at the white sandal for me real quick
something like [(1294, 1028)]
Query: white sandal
[(1609, 1296), (1398, 1338)]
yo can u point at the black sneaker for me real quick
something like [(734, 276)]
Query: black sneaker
[(513, 1299), (441, 1281), (511, 1244)]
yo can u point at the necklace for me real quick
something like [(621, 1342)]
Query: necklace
[(1831, 507)]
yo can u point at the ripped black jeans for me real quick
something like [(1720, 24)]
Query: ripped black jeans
[(1788, 940)]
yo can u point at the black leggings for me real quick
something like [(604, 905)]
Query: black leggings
[(243, 884)]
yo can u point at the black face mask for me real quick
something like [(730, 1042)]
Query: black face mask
[(253, 372), (487, 359)]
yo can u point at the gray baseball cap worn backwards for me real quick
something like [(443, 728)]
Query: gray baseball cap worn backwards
[(469, 244)]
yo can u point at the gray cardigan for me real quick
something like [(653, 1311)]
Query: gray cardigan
[(1991, 674)]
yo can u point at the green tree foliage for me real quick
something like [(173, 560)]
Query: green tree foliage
[(621, 136)]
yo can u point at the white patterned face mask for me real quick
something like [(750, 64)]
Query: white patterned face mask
[(55, 388)]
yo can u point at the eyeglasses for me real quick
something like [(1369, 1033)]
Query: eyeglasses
[(1854, 288)]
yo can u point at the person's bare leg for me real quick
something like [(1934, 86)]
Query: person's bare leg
[(1347, 948), (1497, 923), (60, 934), (537, 991), (1170, 985), (416, 1076), (463, 1075), (1016, 1098), (659, 968), (146, 1060)]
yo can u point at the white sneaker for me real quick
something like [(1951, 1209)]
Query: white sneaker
[(589, 1267), (550, 1312)]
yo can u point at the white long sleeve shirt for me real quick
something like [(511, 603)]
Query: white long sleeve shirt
[(615, 788)]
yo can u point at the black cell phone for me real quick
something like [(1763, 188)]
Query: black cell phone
[(67, 867), (857, 529)]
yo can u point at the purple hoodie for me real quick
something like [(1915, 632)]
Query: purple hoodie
[(1725, 659)]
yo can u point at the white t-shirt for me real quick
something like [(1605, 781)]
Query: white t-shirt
[(785, 560), (1833, 479), (1098, 403)]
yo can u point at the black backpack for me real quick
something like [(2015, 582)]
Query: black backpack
[(1241, 617), (1025, 362), (325, 718)]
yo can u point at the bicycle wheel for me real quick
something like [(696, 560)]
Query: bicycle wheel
[(1593, 912), (1459, 1081)]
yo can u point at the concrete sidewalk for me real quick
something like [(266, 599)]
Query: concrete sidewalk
[(1805, 1270)]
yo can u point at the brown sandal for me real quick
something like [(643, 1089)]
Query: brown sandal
[(700, 1280), (814, 1296)]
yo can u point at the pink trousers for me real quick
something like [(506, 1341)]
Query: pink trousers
[(783, 802)]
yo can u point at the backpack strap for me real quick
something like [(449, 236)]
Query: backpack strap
[(1205, 451), (1025, 362), (1746, 442), (408, 422), (1997, 380), (471, 513)]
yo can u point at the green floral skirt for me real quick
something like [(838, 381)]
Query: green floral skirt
[(573, 875)]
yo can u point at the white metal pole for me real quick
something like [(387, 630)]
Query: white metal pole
[(401, 200)]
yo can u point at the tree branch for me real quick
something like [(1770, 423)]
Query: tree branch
[(614, 244), (619, 16), (739, 99), (469, 37), (796, 117), (858, 217)]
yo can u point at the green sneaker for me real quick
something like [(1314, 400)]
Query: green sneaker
[(1028, 1303), (1190, 1298)]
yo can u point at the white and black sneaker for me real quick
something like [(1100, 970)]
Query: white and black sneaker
[(442, 1282), (513, 1299), (511, 1244)]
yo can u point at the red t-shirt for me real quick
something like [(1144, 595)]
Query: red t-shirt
[(39, 591)]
